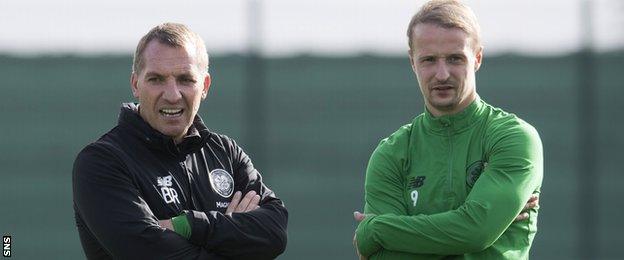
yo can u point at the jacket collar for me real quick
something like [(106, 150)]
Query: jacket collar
[(455, 123), (132, 122)]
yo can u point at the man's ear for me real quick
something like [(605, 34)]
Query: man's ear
[(478, 58), (411, 59), (207, 81), (134, 81)]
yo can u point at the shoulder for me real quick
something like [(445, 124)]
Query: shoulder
[(221, 140), (399, 138), (506, 130), (500, 122), (105, 153), (222, 143), (399, 141), (105, 146), (226, 149), (394, 149)]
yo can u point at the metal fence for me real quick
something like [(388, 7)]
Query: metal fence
[(321, 119)]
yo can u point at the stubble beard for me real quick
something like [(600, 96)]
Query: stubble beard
[(448, 103), (444, 105)]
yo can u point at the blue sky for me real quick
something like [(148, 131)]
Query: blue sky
[(330, 27)]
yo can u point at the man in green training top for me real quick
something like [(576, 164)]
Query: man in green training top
[(454, 183)]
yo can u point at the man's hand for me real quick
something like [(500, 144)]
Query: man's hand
[(532, 203), (248, 203), (358, 217), (166, 223)]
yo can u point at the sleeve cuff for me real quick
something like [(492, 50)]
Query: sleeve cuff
[(365, 237), (201, 225), (181, 225)]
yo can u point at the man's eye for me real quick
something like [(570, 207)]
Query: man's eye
[(153, 79), (428, 60), (455, 59), (188, 80)]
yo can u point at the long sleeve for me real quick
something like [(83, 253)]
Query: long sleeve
[(384, 187), (513, 173), (257, 234), (113, 219)]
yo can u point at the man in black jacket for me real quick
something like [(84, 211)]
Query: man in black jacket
[(160, 185)]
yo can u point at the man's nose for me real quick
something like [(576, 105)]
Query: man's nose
[(442, 71), (172, 92)]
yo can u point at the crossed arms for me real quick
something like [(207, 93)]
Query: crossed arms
[(115, 221), (514, 172)]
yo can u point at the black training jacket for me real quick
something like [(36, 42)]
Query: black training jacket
[(134, 176)]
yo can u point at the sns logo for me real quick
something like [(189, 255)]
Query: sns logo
[(168, 193), (6, 246)]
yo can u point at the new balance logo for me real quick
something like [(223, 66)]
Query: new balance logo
[(416, 182), (168, 193)]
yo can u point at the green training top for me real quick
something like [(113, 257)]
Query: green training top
[(452, 186)]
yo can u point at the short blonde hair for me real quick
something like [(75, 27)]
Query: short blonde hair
[(174, 35), (447, 14)]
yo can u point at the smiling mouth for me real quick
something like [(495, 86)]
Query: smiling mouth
[(171, 112)]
